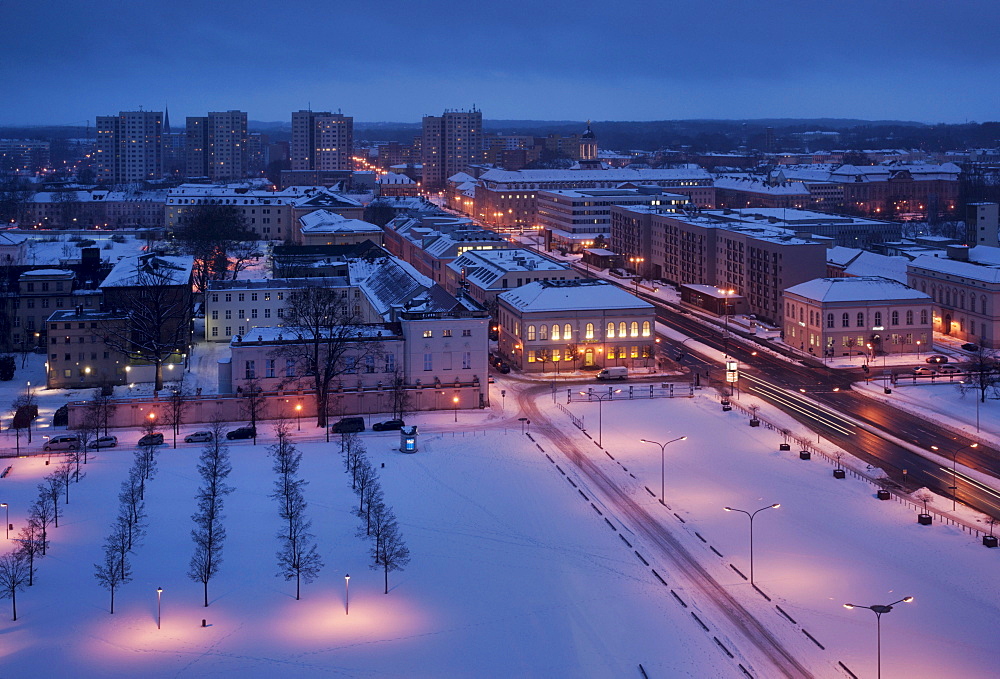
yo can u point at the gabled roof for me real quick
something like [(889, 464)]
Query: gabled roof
[(140, 270), (857, 289)]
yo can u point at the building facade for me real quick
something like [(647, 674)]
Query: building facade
[(218, 146), (450, 143), (484, 274), (129, 147), (77, 356), (42, 292), (322, 141)]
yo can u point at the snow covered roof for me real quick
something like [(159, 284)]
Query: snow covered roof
[(485, 267), (388, 282), (289, 334), (48, 273), (856, 289), (757, 186), (614, 174), (570, 296), (324, 221), (842, 256), (131, 271), (983, 264), (393, 178), (873, 264)]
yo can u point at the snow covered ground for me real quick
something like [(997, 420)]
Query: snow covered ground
[(513, 574)]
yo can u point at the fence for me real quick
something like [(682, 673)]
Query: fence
[(634, 391), (880, 483)]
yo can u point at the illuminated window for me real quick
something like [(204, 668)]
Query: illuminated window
[(531, 333), (611, 331), (590, 331), (634, 329), (555, 332), (428, 333), (645, 328), (635, 351), (543, 332), (622, 329)]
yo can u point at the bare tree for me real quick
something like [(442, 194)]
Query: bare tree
[(209, 532), (120, 539), (177, 403), (287, 459), (132, 505), (253, 401), (353, 451), (297, 557), (32, 545), (113, 571), (401, 399), (983, 374), (364, 477), (64, 472), (371, 496), (87, 431), (329, 340), (220, 240), (388, 551), (15, 573), (155, 309), (101, 408), (52, 487), (42, 515)]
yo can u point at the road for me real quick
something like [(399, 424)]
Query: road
[(830, 407), (668, 548)]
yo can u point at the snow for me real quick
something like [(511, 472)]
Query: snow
[(570, 296), (857, 289)]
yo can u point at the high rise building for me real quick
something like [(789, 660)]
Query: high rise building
[(217, 146), (129, 147), (322, 141), (450, 143)]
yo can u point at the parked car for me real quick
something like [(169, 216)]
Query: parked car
[(348, 425), (198, 437), (924, 371), (503, 368), (65, 442), (242, 433), (949, 370), (388, 425), (154, 439), (969, 346), (936, 358), (104, 442)]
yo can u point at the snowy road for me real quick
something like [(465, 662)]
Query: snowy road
[(780, 661)]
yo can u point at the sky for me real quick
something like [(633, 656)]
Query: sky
[(67, 61)]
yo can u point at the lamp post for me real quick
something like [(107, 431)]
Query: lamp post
[(298, 415), (600, 410), (7, 520), (725, 316), (954, 471), (159, 593), (751, 515), (347, 594), (878, 610), (455, 401), (663, 464)]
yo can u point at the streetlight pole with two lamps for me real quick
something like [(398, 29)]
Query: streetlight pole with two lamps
[(954, 472), (878, 610), (663, 463), (600, 410), (751, 515)]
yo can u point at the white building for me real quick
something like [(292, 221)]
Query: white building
[(323, 227)]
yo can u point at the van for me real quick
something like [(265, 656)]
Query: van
[(619, 372), (66, 442), (348, 425)]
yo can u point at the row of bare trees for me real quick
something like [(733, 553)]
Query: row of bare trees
[(388, 550)]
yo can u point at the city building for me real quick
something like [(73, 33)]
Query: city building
[(218, 146), (24, 156), (450, 143), (392, 184), (750, 254), (572, 220), (867, 315), (322, 141), (40, 293), (982, 223), (964, 284), (101, 208), (129, 147), (547, 326), (77, 356), (508, 199), (322, 227), (484, 274)]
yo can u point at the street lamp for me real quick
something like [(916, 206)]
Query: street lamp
[(954, 472), (298, 415), (347, 594), (600, 409), (663, 455), (878, 611), (725, 315), (7, 520), (751, 515), (159, 593), (455, 401)]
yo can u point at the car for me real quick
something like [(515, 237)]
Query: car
[(503, 368), (104, 442), (949, 370), (348, 425), (65, 442), (969, 346), (936, 358), (198, 437), (242, 433), (490, 379), (153, 439), (388, 425), (924, 371)]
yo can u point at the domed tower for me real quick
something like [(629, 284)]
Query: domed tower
[(588, 144)]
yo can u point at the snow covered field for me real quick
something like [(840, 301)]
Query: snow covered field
[(513, 574)]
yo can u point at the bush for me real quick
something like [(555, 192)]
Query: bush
[(61, 417), (7, 367), (118, 238)]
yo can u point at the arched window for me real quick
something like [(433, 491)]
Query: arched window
[(555, 331), (845, 320), (802, 315), (923, 317), (611, 331), (878, 318), (531, 333), (861, 319), (909, 317), (567, 331), (622, 330), (972, 303), (590, 331), (961, 299), (543, 332), (895, 318), (829, 320), (982, 304), (923, 287), (634, 329), (645, 328)]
